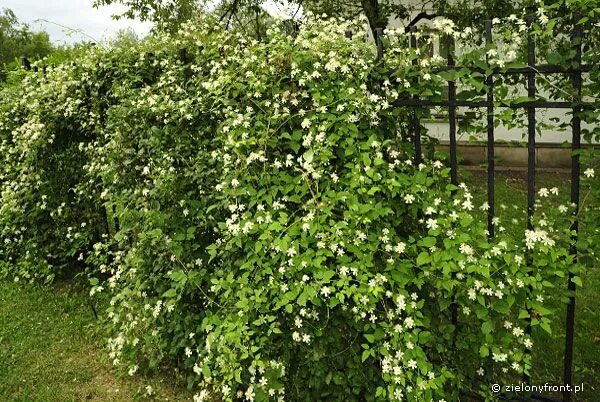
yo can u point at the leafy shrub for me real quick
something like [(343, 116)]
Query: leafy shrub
[(256, 214), (44, 224)]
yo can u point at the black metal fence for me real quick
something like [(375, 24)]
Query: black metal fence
[(577, 105), (452, 103)]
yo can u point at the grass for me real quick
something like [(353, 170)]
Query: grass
[(48, 352), (548, 352)]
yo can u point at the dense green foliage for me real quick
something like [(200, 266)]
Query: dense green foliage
[(255, 212)]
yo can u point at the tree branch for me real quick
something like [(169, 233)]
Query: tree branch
[(423, 15), (298, 9), (230, 10)]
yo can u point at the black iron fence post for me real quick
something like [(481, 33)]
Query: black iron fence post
[(576, 37), (452, 114), (379, 42), (531, 122), (184, 58), (416, 120), (453, 150), (490, 137), (25, 63)]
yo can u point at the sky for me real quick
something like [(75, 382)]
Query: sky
[(74, 14), (81, 16)]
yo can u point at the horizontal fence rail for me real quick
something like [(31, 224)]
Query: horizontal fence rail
[(488, 103), (539, 69)]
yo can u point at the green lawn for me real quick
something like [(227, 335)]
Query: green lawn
[(48, 352)]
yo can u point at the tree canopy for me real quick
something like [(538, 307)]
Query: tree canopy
[(168, 14), (18, 40), (165, 14)]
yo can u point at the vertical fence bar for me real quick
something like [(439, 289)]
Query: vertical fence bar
[(452, 114), (531, 93), (150, 63), (26, 63), (416, 121), (453, 150), (100, 100), (489, 81), (183, 55), (185, 60), (576, 38), (379, 41), (115, 219)]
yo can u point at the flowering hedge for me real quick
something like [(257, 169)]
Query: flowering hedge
[(256, 214)]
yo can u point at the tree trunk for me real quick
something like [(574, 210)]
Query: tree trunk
[(373, 13)]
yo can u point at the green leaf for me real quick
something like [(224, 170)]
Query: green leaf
[(169, 294), (546, 326), (423, 258), (502, 307), (179, 276), (308, 156), (307, 293), (487, 327), (429, 241)]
